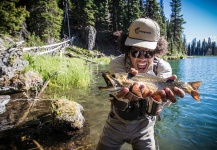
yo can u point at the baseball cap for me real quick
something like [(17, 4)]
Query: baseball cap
[(143, 32)]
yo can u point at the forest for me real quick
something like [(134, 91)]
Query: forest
[(48, 21)]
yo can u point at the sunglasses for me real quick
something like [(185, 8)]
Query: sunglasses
[(146, 54)]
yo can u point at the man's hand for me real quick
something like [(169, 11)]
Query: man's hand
[(168, 94), (134, 93), (138, 88)]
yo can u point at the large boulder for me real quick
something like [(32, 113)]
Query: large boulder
[(67, 115)]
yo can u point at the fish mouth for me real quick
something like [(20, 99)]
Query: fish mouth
[(112, 84)]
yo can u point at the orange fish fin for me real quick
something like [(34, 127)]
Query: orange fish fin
[(135, 90), (195, 95), (146, 93), (195, 84), (156, 96)]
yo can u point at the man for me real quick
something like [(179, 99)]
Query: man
[(127, 122)]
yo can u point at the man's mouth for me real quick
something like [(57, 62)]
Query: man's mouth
[(142, 67)]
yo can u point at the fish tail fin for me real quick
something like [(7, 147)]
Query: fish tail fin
[(195, 84), (196, 95)]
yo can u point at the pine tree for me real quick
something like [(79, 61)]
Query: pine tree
[(153, 11), (198, 48), (103, 21), (189, 49), (204, 46), (193, 46), (213, 48), (163, 27), (12, 17), (88, 13), (176, 20), (45, 19), (133, 10), (117, 10), (184, 45)]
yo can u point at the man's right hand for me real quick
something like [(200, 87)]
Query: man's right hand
[(134, 93)]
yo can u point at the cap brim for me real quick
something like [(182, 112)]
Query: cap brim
[(140, 43)]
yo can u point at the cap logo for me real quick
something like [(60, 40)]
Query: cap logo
[(137, 30)]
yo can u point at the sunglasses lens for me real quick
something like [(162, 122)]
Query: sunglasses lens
[(137, 54), (149, 54)]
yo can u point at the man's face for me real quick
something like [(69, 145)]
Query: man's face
[(141, 58)]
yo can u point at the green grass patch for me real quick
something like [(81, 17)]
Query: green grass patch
[(71, 72)]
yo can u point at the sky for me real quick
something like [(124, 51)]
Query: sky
[(200, 17)]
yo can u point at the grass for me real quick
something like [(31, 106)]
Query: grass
[(71, 72)]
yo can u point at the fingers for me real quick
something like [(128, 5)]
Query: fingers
[(179, 92), (134, 93), (126, 94), (170, 95), (163, 95), (173, 77), (133, 71), (122, 93)]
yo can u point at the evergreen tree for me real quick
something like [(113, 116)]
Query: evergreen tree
[(113, 7), (189, 49), (12, 18), (153, 11), (45, 19), (83, 13), (102, 16), (193, 46), (164, 26), (132, 11), (184, 45), (89, 10), (118, 13), (204, 46), (213, 48), (209, 45), (198, 48), (176, 20)]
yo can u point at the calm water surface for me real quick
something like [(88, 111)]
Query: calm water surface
[(185, 125)]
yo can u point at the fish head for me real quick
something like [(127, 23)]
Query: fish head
[(115, 81)]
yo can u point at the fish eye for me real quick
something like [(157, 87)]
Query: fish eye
[(113, 75)]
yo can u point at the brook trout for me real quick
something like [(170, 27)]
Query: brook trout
[(115, 82)]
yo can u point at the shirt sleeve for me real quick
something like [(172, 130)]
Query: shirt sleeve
[(164, 69), (117, 65)]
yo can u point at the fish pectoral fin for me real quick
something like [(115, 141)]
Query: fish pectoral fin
[(135, 90), (196, 95), (156, 96), (195, 84), (146, 93)]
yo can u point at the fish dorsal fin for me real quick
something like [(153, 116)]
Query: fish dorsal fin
[(195, 84)]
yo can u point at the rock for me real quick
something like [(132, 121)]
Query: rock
[(67, 115), (12, 78), (3, 101)]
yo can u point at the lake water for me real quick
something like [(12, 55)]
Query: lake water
[(185, 125)]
